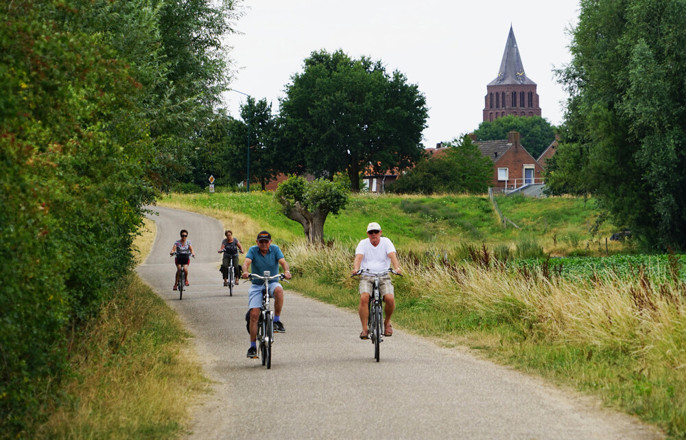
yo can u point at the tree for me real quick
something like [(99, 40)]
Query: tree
[(194, 75), (626, 116), (536, 132), (345, 115), (309, 203), (461, 169), (75, 155)]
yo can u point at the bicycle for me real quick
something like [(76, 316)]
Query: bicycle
[(375, 325), (265, 325), (181, 283), (231, 276)]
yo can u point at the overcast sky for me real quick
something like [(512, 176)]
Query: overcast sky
[(449, 48)]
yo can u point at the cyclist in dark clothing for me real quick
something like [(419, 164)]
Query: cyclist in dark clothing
[(230, 247)]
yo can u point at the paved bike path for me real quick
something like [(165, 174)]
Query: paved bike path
[(324, 382)]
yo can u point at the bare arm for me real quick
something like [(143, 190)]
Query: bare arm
[(357, 262), (394, 262), (284, 265), (246, 267)]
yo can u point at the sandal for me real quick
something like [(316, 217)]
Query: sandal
[(364, 335), (388, 331)]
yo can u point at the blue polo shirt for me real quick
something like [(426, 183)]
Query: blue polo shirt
[(260, 262)]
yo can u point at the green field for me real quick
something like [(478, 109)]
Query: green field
[(559, 225)]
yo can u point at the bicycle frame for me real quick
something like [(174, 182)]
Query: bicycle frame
[(231, 272), (375, 318), (181, 283), (265, 326)]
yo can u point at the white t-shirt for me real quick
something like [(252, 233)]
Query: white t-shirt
[(375, 258)]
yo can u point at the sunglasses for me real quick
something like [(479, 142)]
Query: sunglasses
[(372, 232), (184, 235)]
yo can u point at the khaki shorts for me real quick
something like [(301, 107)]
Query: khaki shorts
[(385, 285)]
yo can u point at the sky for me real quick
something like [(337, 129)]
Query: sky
[(450, 49)]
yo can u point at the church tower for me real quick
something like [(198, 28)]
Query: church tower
[(512, 92)]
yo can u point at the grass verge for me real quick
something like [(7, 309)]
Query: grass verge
[(134, 372)]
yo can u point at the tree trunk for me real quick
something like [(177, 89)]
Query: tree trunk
[(354, 176), (316, 234), (312, 223)]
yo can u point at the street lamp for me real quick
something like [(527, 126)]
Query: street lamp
[(247, 179)]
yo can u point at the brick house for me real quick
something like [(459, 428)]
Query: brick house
[(548, 152), (513, 166)]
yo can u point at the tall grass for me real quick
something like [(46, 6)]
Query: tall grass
[(619, 337)]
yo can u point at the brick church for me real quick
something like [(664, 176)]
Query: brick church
[(511, 92)]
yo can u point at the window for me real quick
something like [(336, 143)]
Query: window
[(502, 174), (497, 100), (531, 99), (521, 99), (491, 100), (514, 99), (502, 99)]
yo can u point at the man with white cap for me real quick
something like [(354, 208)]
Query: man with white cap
[(375, 254)]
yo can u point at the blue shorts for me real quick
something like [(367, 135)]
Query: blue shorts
[(255, 294)]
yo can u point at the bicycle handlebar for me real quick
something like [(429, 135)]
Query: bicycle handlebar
[(176, 254), (375, 274), (280, 276)]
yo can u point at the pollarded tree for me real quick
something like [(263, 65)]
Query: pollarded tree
[(309, 203), (344, 115)]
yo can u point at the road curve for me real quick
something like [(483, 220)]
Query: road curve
[(324, 382)]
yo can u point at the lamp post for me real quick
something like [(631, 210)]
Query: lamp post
[(247, 178)]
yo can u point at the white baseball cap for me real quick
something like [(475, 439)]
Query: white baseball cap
[(373, 226)]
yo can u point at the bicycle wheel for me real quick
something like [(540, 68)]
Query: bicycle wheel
[(231, 280), (270, 339), (378, 321), (182, 283), (260, 337)]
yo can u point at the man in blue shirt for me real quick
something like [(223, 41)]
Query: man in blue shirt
[(264, 256)]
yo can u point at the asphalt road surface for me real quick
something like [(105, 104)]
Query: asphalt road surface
[(324, 382)]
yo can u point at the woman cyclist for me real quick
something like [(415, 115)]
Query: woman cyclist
[(184, 250), (230, 247)]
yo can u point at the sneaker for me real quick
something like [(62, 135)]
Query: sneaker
[(279, 328), (175, 288), (252, 352)]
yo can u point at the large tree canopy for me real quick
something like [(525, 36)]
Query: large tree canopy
[(626, 122), (345, 115), (536, 132)]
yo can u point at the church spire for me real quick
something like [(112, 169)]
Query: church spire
[(511, 67)]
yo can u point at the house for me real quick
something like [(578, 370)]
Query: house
[(376, 182), (548, 152), (513, 166)]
